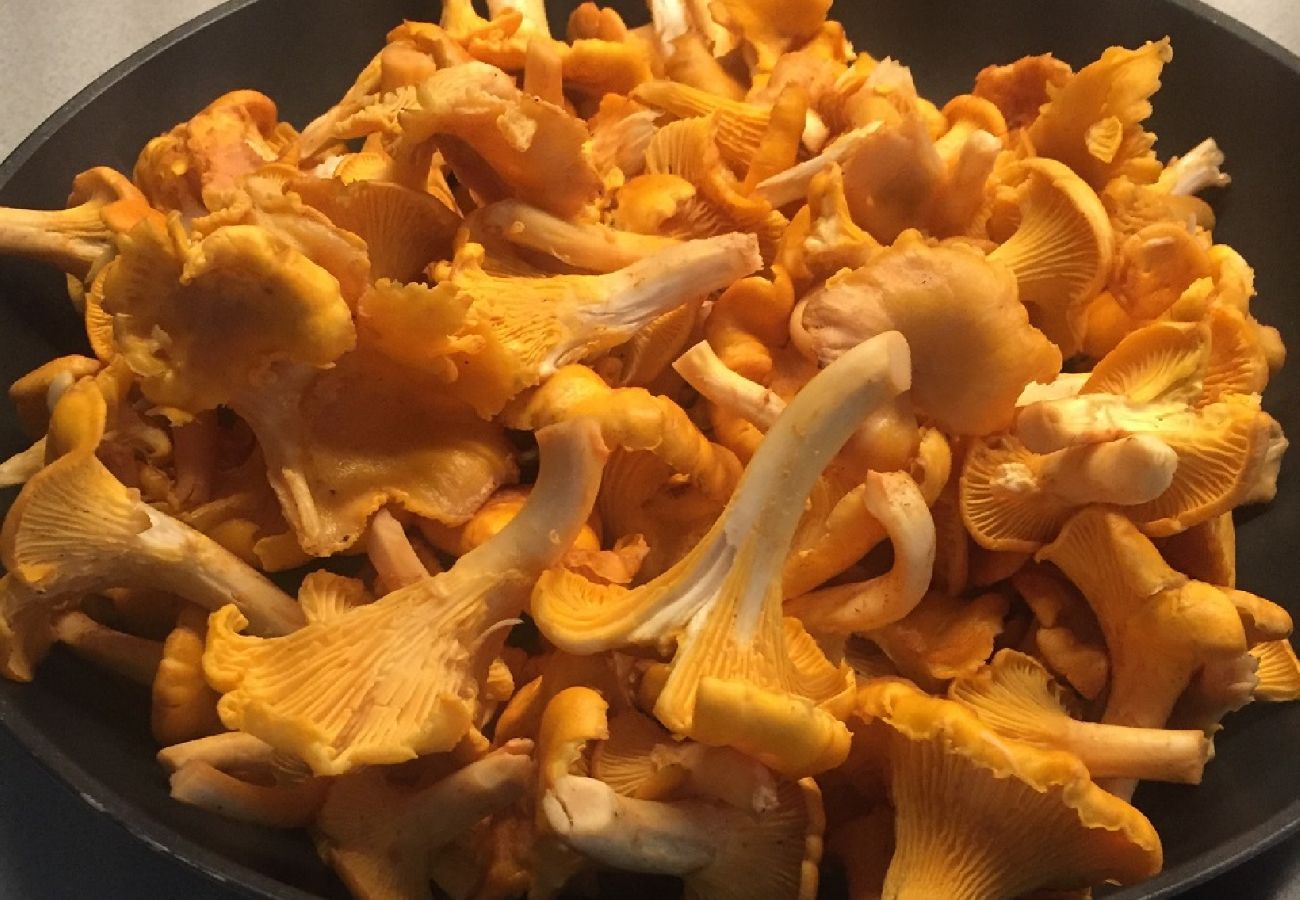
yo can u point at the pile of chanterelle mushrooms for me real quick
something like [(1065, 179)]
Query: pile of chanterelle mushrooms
[(735, 456)]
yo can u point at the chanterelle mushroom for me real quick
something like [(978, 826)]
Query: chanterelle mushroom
[(973, 349), (977, 816), (741, 675), (429, 643), (1161, 628), (1016, 697)]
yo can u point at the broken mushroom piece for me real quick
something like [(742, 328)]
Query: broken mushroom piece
[(973, 349), (1277, 671), (429, 644), (382, 837), (717, 850), (1017, 698), (743, 675), (976, 816)]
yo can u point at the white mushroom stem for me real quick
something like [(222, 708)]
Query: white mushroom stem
[(728, 775), (1195, 171), (391, 553), (130, 656), (1154, 754), (583, 245), (228, 750), (1125, 472), (646, 836), (1050, 425), (792, 184), (640, 293), (277, 806), (704, 371), (896, 502)]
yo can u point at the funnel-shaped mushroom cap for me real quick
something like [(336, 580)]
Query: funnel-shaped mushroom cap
[(1093, 122), (382, 837), (742, 676), (740, 126), (976, 816), (429, 645), (1155, 265), (273, 303), (1161, 628), (495, 335), (973, 349), (404, 230), (1161, 362), (1017, 698), (1061, 249), (502, 142), (719, 851)]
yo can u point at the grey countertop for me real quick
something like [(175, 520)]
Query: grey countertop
[(52, 846)]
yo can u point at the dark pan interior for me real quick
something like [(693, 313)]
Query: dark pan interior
[(1224, 82)]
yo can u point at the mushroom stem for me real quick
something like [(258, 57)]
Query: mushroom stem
[(636, 835), (1127, 471), (1051, 425), (704, 371), (896, 502), (1147, 754), (391, 553), (71, 239), (129, 656), (584, 245), (275, 806), (228, 750)]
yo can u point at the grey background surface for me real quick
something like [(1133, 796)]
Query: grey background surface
[(52, 845)]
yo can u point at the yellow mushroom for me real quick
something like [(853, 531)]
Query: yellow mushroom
[(451, 625), (721, 604), (1060, 251), (1093, 120), (196, 162), (1019, 89), (973, 348), (500, 141), (1016, 697), (895, 501), (977, 816), (184, 708), (1161, 628)]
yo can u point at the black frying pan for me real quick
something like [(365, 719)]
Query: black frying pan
[(1225, 81)]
